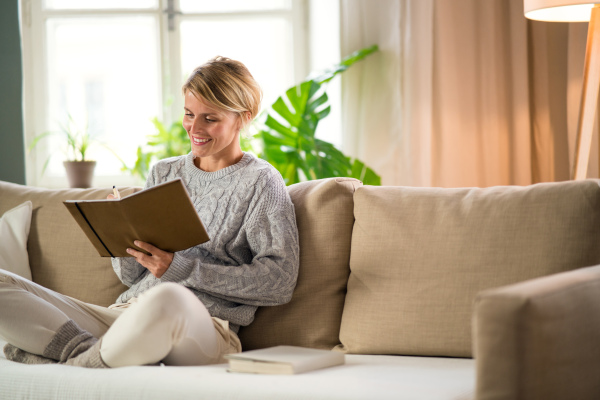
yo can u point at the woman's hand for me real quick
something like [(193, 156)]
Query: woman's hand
[(157, 262)]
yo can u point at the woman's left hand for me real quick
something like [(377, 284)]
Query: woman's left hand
[(157, 262)]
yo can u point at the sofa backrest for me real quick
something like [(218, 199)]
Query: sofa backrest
[(420, 256), (400, 280), (324, 214), (60, 255)]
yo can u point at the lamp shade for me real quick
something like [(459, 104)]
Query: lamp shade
[(559, 10)]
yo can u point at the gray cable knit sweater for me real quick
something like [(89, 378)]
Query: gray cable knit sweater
[(252, 257)]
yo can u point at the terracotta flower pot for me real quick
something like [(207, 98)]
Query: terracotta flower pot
[(80, 173)]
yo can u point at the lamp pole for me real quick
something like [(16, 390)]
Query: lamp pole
[(589, 97)]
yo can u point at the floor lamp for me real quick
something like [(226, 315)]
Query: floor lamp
[(578, 11)]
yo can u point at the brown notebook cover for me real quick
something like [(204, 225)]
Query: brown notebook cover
[(163, 216)]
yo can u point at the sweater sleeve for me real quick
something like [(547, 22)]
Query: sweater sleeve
[(128, 269), (272, 238)]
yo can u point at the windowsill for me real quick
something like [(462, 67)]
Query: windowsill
[(61, 182)]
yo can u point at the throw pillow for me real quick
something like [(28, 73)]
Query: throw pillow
[(324, 214), (14, 232), (420, 256)]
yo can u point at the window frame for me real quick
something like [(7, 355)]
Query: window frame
[(35, 85)]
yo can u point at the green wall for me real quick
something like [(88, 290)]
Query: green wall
[(12, 146)]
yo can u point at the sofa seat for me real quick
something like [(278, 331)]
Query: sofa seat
[(362, 377)]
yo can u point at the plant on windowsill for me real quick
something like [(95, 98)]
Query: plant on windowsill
[(285, 138), (80, 170)]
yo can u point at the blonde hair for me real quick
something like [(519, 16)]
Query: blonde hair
[(227, 85)]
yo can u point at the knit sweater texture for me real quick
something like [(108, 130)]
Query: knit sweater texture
[(252, 256)]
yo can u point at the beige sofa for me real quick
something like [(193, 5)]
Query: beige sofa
[(432, 293)]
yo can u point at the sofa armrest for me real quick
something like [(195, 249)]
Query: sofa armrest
[(540, 339)]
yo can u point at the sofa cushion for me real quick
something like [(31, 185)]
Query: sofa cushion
[(83, 274), (14, 231), (420, 255), (324, 214), (363, 377)]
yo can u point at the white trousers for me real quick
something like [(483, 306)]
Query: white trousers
[(167, 323)]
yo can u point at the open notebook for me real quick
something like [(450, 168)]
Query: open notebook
[(163, 216)]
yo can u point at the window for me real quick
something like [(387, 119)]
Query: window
[(110, 66)]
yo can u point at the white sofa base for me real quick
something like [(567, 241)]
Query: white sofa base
[(363, 377)]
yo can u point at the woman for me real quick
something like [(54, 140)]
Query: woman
[(182, 308)]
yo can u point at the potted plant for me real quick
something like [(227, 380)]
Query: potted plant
[(80, 170)]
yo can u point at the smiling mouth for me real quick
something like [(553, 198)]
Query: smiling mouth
[(200, 141)]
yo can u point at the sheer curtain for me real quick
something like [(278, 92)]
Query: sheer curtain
[(373, 115), (462, 92)]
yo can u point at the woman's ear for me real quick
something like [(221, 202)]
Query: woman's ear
[(245, 119)]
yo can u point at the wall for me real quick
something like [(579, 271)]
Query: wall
[(12, 147)]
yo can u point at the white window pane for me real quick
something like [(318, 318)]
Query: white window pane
[(104, 73), (325, 52), (206, 6), (99, 4), (266, 49)]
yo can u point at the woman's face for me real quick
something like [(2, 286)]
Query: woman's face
[(214, 134)]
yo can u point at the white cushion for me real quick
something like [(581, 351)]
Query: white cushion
[(14, 232), (363, 377)]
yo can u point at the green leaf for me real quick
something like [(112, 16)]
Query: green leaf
[(276, 155), (371, 178), (313, 105), (39, 137), (274, 140), (347, 62), (357, 169), (279, 128), (282, 109)]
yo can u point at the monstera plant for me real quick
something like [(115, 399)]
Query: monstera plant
[(286, 136)]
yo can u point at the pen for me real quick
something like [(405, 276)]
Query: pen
[(116, 193)]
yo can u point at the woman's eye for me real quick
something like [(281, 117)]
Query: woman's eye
[(210, 120), (189, 115)]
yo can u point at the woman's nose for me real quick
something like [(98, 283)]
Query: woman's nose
[(195, 125)]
